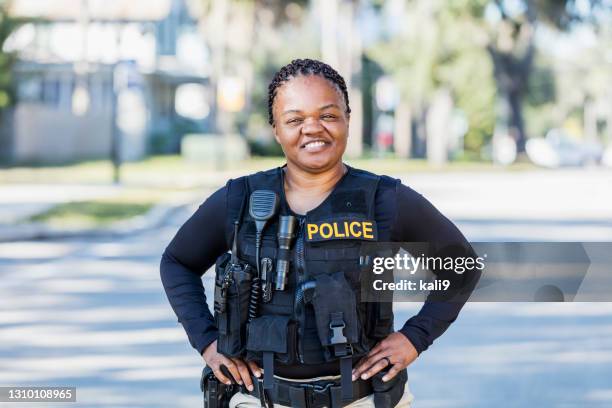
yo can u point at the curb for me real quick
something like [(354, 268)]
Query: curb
[(154, 218)]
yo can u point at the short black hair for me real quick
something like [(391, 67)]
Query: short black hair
[(305, 67)]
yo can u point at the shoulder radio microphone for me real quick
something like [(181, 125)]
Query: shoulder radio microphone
[(262, 207)]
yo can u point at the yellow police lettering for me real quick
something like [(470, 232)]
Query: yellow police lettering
[(367, 230), (354, 233), (312, 229), (323, 234), (336, 233), (340, 230)]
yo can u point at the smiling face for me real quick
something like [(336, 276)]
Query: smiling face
[(310, 122)]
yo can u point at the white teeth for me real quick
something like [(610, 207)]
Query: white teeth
[(312, 145)]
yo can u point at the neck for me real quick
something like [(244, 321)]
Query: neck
[(296, 178)]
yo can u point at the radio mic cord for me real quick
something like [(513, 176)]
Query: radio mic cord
[(262, 206)]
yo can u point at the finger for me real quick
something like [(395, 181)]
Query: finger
[(380, 364), (369, 363), (244, 373), (363, 365), (357, 367), (219, 374), (254, 368), (392, 372), (361, 368), (378, 348), (381, 354), (229, 364)]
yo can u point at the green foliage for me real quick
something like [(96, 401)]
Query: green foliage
[(91, 212), (443, 48), (541, 85), (451, 44), (8, 25)]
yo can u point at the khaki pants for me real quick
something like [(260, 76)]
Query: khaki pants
[(241, 400)]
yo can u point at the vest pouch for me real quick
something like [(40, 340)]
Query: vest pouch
[(335, 308), (272, 333), (231, 307), (379, 320)]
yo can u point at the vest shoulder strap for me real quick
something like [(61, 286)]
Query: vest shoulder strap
[(236, 197), (238, 191)]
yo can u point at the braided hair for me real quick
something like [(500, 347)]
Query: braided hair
[(305, 67)]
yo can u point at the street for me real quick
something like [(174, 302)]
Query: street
[(92, 313)]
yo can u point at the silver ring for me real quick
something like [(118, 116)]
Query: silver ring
[(388, 361)]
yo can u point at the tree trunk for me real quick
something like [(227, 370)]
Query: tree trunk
[(516, 125), (402, 134), (512, 58), (6, 135)]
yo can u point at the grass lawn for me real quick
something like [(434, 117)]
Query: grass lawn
[(99, 212), (175, 172), (91, 213)]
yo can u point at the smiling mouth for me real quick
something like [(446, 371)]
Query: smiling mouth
[(314, 144)]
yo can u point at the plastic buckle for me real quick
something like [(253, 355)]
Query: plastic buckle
[(337, 334), (317, 396), (320, 398)]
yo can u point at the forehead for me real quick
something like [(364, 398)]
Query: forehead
[(304, 90)]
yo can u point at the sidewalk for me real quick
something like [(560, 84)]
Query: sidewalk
[(562, 205)]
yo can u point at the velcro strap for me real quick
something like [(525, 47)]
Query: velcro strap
[(298, 397), (268, 367), (346, 380)]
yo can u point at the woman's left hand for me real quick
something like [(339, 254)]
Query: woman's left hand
[(395, 350)]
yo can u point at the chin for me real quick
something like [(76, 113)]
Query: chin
[(319, 164)]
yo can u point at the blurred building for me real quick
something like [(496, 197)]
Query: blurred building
[(97, 76)]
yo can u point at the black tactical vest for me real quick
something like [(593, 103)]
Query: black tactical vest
[(319, 317)]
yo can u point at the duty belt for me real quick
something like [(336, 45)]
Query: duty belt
[(316, 394)]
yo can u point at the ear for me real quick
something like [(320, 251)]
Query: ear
[(276, 135)]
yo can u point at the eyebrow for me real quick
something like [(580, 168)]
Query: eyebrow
[(331, 105)]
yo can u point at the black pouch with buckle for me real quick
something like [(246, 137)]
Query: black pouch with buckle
[(271, 337), (335, 309), (338, 326)]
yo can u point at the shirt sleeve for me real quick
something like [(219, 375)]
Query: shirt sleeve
[(192, 251), (417, 220)]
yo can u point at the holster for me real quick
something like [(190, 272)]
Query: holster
[(388, 394), (216, 394)]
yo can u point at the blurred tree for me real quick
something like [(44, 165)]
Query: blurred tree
[(445, 44), (440, 45), (8, 25), (248, 39), (511, 27)]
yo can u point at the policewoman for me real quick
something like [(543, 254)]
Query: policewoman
[(289, 328)]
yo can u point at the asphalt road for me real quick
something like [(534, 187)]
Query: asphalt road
[(92, 314)]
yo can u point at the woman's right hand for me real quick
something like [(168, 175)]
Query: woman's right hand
[(238, 368)]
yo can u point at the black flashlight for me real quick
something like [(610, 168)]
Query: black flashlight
[(286, 228)]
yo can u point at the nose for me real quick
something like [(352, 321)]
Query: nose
[(311, 126)]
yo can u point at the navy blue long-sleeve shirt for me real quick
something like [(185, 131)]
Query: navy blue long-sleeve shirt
[(203, 238)]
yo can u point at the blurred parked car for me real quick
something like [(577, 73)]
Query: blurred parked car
[(558, 149)]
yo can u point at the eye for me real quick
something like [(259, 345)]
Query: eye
[(294, 121), (328, 116)]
